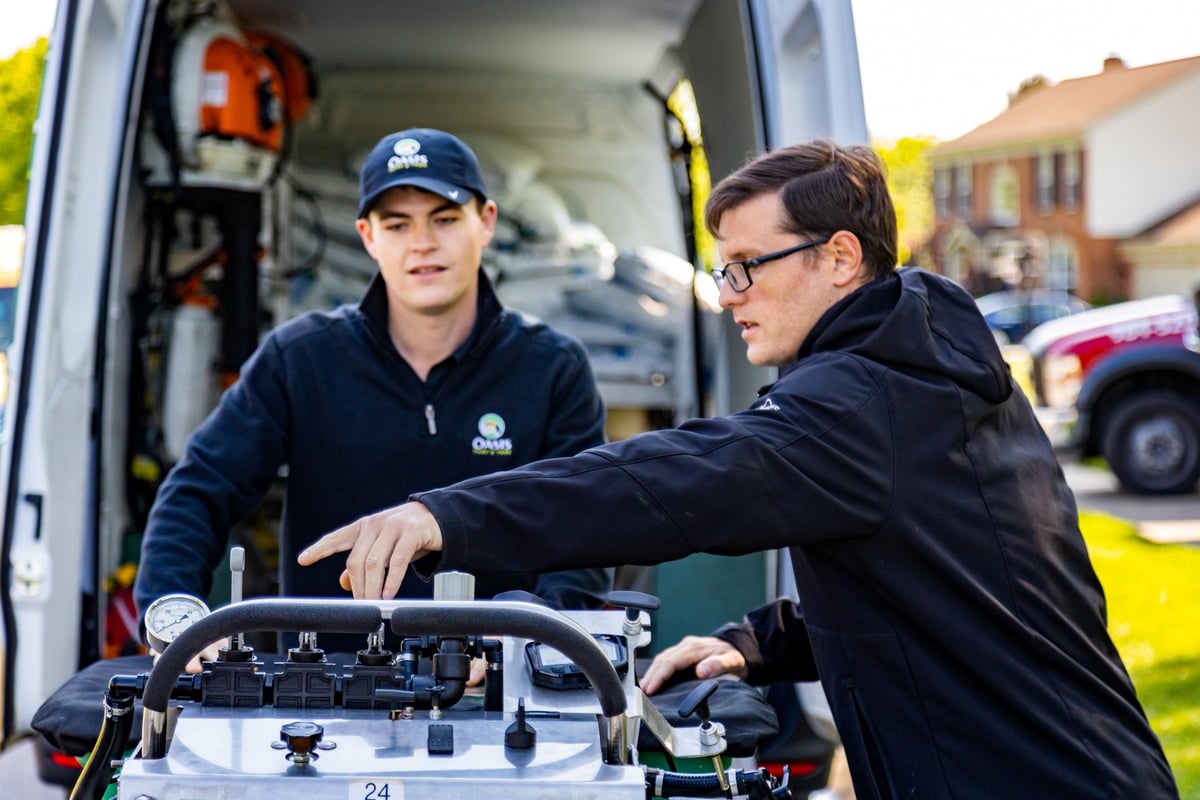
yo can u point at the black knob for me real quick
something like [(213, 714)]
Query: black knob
[(301, 737), (519, 735)]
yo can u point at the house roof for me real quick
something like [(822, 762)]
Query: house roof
[(1181, 228), (1068, 108)]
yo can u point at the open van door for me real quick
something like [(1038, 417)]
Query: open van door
[(53, 418), (552, 95)]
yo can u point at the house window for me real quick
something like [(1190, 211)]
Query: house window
[(953, 266), (1071, 188), (1062, 267), (1045, 182), (1003, 195), (941, 193), (962, 191)]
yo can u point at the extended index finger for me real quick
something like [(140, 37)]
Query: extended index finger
[(338, 541)]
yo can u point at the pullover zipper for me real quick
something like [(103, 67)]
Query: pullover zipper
[(430, 419)]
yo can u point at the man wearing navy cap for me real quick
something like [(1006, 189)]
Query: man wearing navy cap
[(427, 381)]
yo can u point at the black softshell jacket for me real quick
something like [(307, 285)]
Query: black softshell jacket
[(950, 608)]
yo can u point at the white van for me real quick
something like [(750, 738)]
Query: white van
[(160, 244)]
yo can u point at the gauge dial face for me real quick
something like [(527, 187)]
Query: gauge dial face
[(171, 615)]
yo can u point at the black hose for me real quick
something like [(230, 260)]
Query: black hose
[(691, 785), (110, 744), (660, 783)]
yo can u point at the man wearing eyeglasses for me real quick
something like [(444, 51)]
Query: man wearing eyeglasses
[(950, 609)]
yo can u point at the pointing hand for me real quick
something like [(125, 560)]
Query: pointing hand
[(381, 547)]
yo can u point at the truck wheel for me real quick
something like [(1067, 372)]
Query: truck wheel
[(1153, 443)]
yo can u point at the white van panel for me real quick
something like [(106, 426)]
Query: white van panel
[(68, 225)]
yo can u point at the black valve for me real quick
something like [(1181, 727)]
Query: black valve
[(374, 655), (520, 735), (307, 652)]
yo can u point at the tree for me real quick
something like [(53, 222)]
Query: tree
[(20, 86), (910, 179), (1028, 85)]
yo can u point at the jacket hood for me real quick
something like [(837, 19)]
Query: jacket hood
[(916, 320)]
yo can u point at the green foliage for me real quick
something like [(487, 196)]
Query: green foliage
[(1027, 86), (910, 179), (1153, 615), (20, 86)]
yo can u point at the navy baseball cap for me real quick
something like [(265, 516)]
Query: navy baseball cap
[(428, 159)]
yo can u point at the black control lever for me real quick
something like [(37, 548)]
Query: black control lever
[(634, 604), (236, 649), (696, 703)]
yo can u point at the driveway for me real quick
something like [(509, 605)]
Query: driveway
[(1163, 519)]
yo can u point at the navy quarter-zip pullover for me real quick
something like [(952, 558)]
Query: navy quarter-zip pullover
[(327, 396)]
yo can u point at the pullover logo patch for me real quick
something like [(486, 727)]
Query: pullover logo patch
[(491, 440), (767, 405)]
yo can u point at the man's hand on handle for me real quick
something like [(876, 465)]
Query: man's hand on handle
[(381, 547), (711, 656)]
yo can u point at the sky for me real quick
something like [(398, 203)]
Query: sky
[(932, 67), (943, 67), (22, 22)]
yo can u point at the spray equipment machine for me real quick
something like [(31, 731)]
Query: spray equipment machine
[(559, 715)]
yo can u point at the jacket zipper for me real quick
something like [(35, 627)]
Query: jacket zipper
[(489, 333)]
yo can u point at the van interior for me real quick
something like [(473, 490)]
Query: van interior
[(204, 155), (235, 226)]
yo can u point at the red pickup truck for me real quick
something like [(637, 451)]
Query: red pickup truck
[(1123, 382)]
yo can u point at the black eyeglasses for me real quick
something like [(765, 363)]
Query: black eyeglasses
[(738, 272)]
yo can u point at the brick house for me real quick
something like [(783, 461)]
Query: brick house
[(1090, 185)]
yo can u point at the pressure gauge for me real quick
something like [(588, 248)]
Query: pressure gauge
[(171, 615)]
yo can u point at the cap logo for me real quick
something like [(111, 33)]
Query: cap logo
[(406, 147), (407, 155)]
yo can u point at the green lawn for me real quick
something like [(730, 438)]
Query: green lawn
[(1153, 596)]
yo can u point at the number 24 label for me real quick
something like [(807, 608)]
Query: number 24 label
[(376, 790)]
